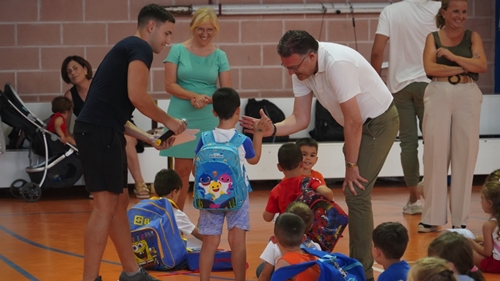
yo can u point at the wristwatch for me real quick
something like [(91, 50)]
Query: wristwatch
[(349, 165)]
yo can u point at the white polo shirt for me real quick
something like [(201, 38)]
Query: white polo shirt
[(343, 73), (407, 24)]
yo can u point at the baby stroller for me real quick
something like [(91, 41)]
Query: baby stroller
[(61, 166)]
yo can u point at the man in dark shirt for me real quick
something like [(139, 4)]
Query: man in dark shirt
[(119, 86)]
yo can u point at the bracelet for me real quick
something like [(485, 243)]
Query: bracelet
[(274, 131)]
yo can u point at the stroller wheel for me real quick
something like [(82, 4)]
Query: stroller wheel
[(15, 188), (31, 192)]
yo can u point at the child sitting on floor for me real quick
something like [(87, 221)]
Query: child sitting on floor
[(272, 252), (389, 244), (289, 232), (167, 185), (487, 248), (431, 269), (457, 250)]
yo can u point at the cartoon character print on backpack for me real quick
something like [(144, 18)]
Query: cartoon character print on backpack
[(145, 256), (151, 222), (329, 218), (214, 190), (220, 183)]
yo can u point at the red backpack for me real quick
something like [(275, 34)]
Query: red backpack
[(329, 218)]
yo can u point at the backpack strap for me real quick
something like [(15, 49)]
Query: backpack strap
[(208, 137), (173, 204), (237, 139), (306, 181), (331, 258), (314, 251), (287, 272)]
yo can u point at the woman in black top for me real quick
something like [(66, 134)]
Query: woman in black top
[(77, 71)]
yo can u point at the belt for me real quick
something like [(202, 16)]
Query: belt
[(455, 79)]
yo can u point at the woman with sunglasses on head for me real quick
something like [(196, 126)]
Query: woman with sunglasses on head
[(453, 57), (192, 69)]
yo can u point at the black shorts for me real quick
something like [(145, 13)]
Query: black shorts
[(104, 160)]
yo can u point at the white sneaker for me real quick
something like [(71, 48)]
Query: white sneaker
[(413, 208)]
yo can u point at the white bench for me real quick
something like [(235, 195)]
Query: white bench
[(330, 162)]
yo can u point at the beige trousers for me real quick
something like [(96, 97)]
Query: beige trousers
[(451, 136)]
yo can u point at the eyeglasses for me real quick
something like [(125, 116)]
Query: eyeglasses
[(294, 69), (202, 30)]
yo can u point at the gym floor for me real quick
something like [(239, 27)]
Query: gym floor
[(44, 240)]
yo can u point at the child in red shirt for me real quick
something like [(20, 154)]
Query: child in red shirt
[(289, 189), (61, 107)]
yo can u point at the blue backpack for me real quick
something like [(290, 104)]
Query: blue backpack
[(220, 183), (333, 267), (156, 240)]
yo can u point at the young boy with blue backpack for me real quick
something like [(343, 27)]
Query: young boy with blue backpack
[(272, 252), (221, 184), (167, 185), (159, 229), (300, 263), (289, 231)]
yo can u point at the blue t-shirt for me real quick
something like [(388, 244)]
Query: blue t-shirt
[(395, 272), (107, 103)]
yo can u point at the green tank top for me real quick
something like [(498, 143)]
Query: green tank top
[(463, 49)]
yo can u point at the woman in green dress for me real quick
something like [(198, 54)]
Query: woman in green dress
[(192, 69)]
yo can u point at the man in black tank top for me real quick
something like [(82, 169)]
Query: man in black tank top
[(119, 86)]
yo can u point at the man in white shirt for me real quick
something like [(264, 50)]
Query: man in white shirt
[(407, 24), (352, 91)]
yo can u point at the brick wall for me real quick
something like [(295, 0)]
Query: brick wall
[(36, 35)]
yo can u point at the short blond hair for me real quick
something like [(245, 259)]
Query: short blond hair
[(202, 16), (431, 269)]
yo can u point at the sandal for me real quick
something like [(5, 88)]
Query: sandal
[(141, 190)]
